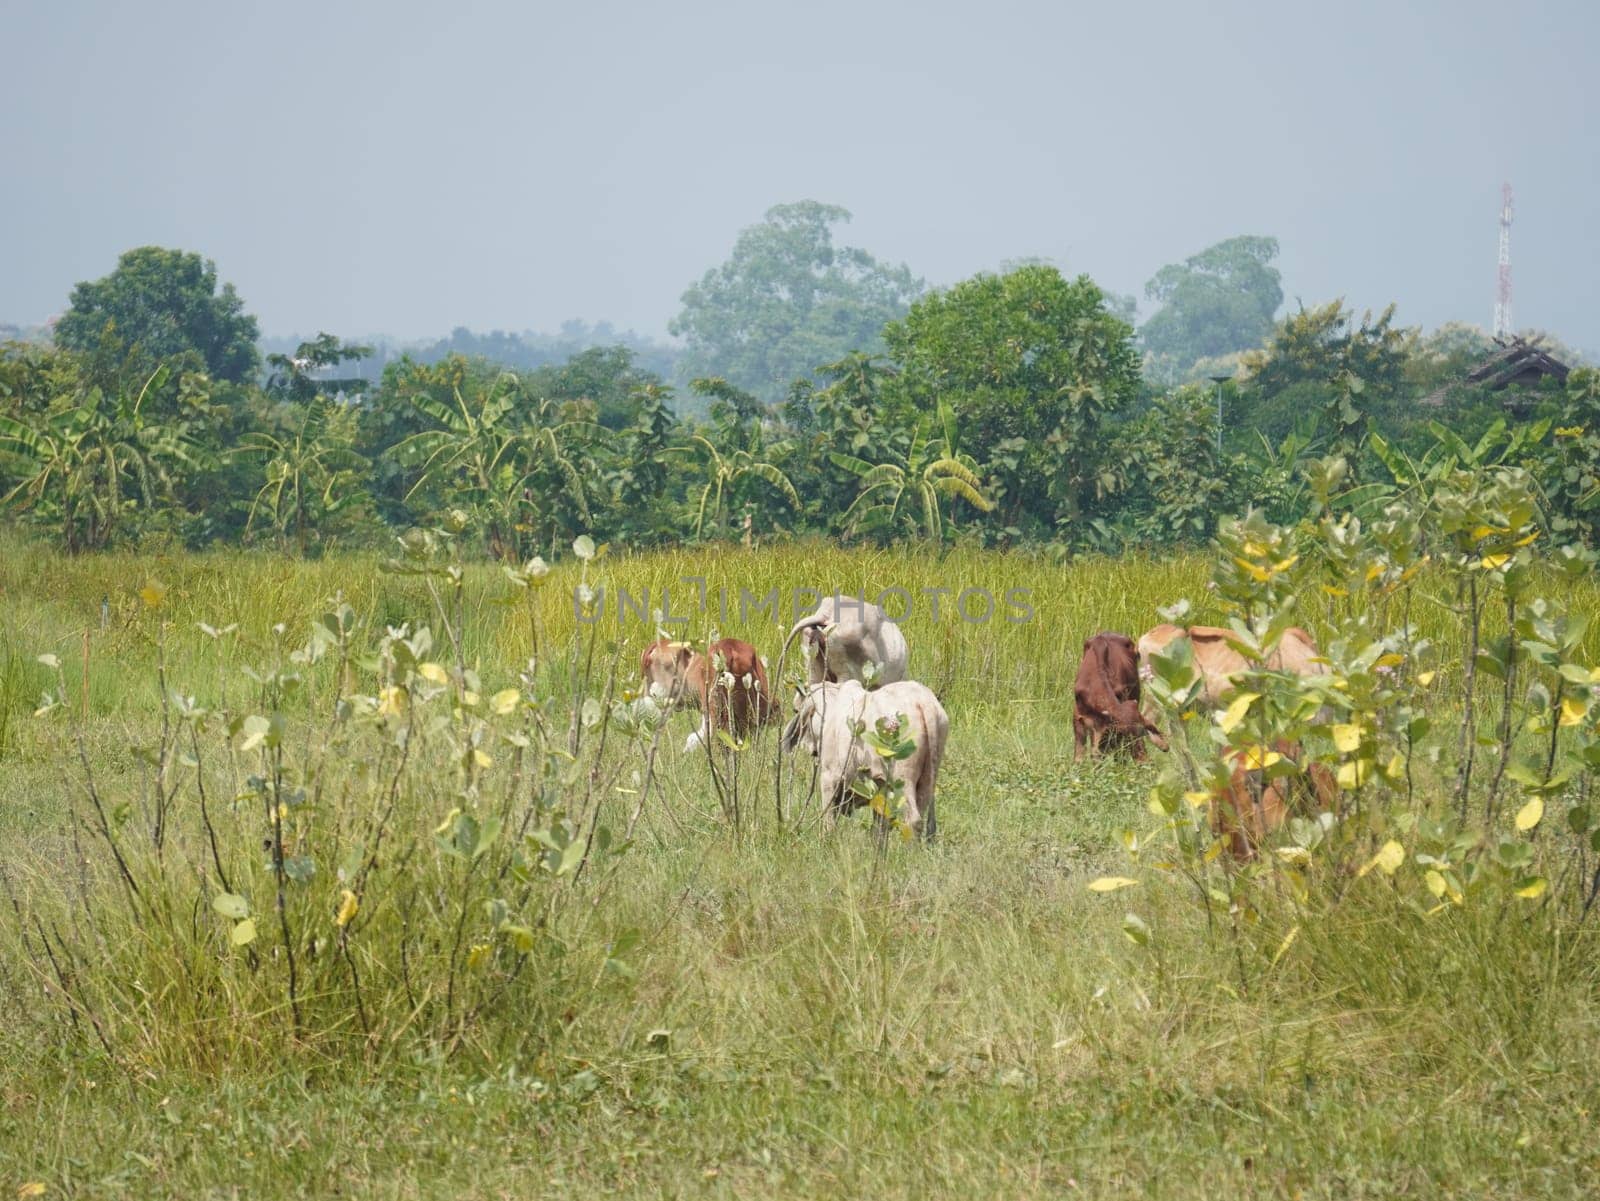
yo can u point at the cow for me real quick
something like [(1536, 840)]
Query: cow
[(1106, 699), (727, 682), (844, 636), (1218, 662), (1254, 805), (826, 716)]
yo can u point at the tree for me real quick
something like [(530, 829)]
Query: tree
[(786, 300), (1219, 301), (292, 375), (1031, 364), (1308, 366), (1179, 484), (605, 376), (162, 304)]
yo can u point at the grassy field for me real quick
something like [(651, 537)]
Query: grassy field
[(795, 1013)]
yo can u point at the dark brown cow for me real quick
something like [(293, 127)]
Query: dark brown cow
[(1106, 699), (728, 683), (1256, 806)]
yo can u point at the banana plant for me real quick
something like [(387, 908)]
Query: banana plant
[(486, 456), (723, 474), (910, 488), (87, 463), (307, 474)]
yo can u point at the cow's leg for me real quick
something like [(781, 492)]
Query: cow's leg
[(1079, 737), (913, 811)]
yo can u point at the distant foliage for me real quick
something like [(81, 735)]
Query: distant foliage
[(787, 300), (1215, 303), (1009, 408)]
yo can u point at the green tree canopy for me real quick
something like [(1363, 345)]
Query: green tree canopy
[(1219, 301), (291, 375), (1030, 363), (786, 300), (162, 304)]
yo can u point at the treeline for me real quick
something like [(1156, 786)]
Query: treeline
[(527, 350), (1011, 408)]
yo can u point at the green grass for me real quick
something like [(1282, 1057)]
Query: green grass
[(805, 1017)]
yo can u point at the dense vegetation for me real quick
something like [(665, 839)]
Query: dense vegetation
[(833, 396)]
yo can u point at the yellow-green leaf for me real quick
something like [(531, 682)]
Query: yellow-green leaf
[(1111, 883), (32, 1188), (1435, 882), (1426, 677), (348, 906), (433, 673), (1532, 888), (244, 932), (1236, 711), (504, 702), (1388, 859), (1347, 737), (1354, 773), (1491, 562), (1572, 710), (152, 595), (1528, 816)]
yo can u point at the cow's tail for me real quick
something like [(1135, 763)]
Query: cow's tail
[(933, 739)]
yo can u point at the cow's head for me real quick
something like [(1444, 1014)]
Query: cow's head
[(805, 727), (665, 667)]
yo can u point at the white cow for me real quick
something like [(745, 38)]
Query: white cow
[(850, 639), (826, 715)]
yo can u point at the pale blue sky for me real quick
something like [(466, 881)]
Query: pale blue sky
[(407, 167)]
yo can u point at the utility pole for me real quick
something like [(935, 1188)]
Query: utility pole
[(1219, 380)]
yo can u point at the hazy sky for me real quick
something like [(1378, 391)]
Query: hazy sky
[(407, 167)]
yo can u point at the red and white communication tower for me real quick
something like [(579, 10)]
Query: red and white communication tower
[(1502, 292)]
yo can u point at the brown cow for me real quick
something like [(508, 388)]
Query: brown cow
[(1255, 806), (728, 683), (1218, 662), (1106, 699)]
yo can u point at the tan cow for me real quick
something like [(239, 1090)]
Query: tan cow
[(1218, 662), (728, 683), (826, 716), (1255, 806)]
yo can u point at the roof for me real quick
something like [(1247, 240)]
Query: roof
[(1516, 361)]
